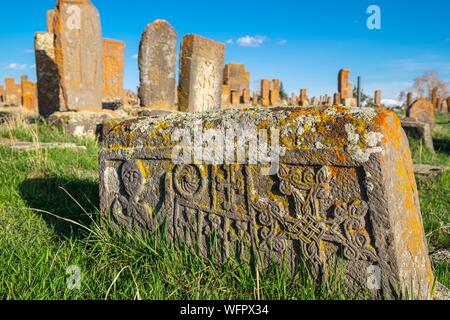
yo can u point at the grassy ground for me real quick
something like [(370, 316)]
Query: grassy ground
[(36, 248)]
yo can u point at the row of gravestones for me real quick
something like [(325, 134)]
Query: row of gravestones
[(23, 94)]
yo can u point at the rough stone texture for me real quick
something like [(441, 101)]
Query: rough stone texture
[(246, 96), (201, 74), (419, 130), (8, 113), (409, 102), (337, 99), (377, 98), (2, 94), (425, 171), (13, 92), (47, 74), (50, 21), (157, 62), (255, 99), (226, 96), (275, 92), (303, 99), (113, 71), (235, 98), (265, 93), (344, 84), (237, 77), (81, 124), (434, 97), (29, 94), (423, 111), (344, 195), (79, 55)]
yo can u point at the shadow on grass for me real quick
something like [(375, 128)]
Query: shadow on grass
[(442, 145), (48, 195)]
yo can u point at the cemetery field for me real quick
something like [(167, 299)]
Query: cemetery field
[(49, 221)]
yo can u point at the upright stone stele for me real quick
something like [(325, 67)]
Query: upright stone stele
[(201, 74), (377, 98), (303, 99), (79, 55), (423, 111), (337, 99), (265, 93), (344, 84), (275, 92), (344, 201), (226, 96), (157, 63), (113, 72), (47, 74), (246, 99)]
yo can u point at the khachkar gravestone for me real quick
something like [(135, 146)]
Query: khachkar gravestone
[(157, 59), (201, 74), (79, 55), (113, 72), (340, 191)]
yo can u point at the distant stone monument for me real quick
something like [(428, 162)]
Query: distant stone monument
[(2, 94), (157, 59), (343, 200), (434, 97), (377, 98), (423, 111), (29, 94), (49, 97), (275, 92), (79, 55), (201, 74), (265, 93), (235, 98), (337, 99), (113, 72), (237, 77), (344, 84), (13, 91), (303, 99), (226, 96), (246, 99)]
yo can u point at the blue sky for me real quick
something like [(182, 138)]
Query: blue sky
[(304, 43)]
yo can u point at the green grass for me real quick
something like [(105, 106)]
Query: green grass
[(37, 247)]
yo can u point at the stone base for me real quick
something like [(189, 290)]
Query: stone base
[(85, 123), (419, 130), (8, 113)]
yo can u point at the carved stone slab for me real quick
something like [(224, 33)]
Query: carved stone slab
[(78, 54), (201, 74), (344, 196)]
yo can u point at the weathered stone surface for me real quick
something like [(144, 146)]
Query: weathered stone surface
[(425, 171), (265, 93), (29, 94), (303, 100), (235, 98), (255, 99), (275, 92), (423, 111), (377, 98), (344, 193), (246, 99), (419, 130), (81, 124), (47, 74), (337, 99), (409, 102), (13, 92), (79, 55), (50, 21), (448, 106), (344, 84), (2, 94), (113, 71), (226, 95), (201, 74), (434, 97), (157, 60), (236, 77)]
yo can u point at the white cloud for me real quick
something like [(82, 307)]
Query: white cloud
[(230, 41), (17, 66), (282, 42), (249, 41), (134, 56)]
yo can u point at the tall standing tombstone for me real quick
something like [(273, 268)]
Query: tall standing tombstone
[(157, 62), (303, 99), (434, 97), (448, 105), (409, 102), (2, 94), (275, 92), (113, 71), (423, 111), (344, 84), (265, 92), (79, 55), (46, 74), (337, 99), (201, 74), (377, 98)]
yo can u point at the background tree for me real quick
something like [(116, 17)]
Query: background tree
[(424, 85), (365, 99), (283, 93)]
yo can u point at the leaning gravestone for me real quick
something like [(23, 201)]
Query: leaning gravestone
[(78, 54), (157, 58), (201, 74), (423, 111), (340, 193)]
